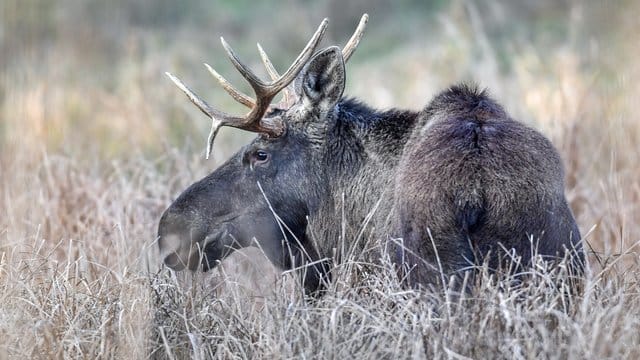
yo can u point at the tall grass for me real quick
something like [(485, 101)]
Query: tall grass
[(95, 143)]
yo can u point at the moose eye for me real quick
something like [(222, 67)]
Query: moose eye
[(260, 156)]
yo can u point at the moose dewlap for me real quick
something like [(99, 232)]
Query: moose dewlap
[(455, 185)]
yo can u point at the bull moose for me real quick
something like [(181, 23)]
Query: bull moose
[(446, 187)]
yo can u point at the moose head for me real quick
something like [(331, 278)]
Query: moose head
[(264, 194)]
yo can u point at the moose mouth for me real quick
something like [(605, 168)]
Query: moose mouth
[(217, 246)]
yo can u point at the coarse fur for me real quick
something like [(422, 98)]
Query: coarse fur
[(475, 182), (451, 184)]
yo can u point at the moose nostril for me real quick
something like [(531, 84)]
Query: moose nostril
[(175, 262)]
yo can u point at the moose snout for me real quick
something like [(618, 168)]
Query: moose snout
[(179, 239)]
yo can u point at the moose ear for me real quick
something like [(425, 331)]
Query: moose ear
[(323, 79)]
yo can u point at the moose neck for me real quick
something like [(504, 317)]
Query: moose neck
[(363, 150)]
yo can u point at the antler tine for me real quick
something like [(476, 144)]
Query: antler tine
[(352, 44), (240, 97), (302, 59), (218, 118), (253, 80), (197, 101), (288, 94), (273, 73)]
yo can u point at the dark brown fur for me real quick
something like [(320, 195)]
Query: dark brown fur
[(474, 182), (458, 183)]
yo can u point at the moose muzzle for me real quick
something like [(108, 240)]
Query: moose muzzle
[(181, 240)]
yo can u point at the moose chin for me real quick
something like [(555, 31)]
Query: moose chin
[(452, 185)]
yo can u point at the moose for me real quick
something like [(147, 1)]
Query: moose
[(446, 188)]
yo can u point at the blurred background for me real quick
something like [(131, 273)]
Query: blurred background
[(95, 141)]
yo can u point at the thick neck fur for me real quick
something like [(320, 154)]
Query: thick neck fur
[(363, 150)]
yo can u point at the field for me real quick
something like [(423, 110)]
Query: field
[(95, 142)]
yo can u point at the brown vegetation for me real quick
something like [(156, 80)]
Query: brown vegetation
[(92, 149)]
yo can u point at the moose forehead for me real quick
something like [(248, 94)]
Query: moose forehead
[(294, 143)]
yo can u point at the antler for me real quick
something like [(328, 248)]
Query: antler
[(353, 42), (289, 95), (265, 92)]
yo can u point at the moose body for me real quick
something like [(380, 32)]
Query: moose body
[(447, 187)]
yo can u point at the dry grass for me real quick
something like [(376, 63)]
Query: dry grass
[(92, 151)]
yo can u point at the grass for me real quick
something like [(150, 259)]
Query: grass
[(95, 143)]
